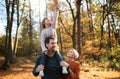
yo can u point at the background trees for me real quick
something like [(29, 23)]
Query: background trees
[(89, 26)]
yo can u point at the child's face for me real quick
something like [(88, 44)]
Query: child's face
[(47, 23), (70, 54)]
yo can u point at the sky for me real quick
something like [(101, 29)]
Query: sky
[(2, 17), (34, 5)]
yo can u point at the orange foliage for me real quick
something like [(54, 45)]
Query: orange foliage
[(89, 48)]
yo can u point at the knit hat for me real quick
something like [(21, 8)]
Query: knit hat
[(75, 53)]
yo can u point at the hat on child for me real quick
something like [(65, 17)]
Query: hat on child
[(75, 53)]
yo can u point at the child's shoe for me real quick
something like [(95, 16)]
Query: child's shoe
[(64, 70), (41, 73)]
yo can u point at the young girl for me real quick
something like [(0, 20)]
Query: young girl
[(49, 28)]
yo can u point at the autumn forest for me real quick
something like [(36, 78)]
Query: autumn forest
[(92, 27)]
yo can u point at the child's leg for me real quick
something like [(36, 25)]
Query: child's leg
[(43, 59), (42, 62), (60, 59), (59, 56)]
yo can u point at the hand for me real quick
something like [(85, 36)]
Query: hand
[(46, 52), (39, 68), (57, 7), (64, 63), (56, 48)]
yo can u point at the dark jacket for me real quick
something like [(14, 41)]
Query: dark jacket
[(52, 70)]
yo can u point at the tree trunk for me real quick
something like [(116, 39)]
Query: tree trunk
[(73, 35), (102, 24), (60, 40), (30, 31), (16, 35), (109, 36), (78, 3), (8, 45), (11, 57), (88, 3)]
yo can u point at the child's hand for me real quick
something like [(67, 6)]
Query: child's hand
[(46, 52), (57, 7), (57, 48)]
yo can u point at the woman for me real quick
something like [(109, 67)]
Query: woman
[(74, 66)]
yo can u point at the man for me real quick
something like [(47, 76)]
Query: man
[(52, 69)]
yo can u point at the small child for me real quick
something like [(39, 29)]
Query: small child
[(48, 30)]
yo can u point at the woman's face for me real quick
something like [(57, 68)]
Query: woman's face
[(70, 54), (47, 23)]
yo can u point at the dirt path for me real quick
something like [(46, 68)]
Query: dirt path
[(24, 71), (98, 73)]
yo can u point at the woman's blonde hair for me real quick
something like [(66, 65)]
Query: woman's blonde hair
[(75, 53)]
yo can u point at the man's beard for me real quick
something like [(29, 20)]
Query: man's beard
[(53, 49)]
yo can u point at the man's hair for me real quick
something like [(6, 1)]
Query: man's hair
[(47, 40)]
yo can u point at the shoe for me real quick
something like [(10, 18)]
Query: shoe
[(41, 73), (64, 70)]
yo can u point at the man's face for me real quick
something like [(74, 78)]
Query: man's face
[(52, 45)]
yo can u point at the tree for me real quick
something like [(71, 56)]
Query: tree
[(30, 30), (78, 3), (19, 19), (89, 10), (8, 42), (107, 9)]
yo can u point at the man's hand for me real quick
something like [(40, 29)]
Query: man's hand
[(39, 68)]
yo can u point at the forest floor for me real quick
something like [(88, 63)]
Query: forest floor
[(23, 70)]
